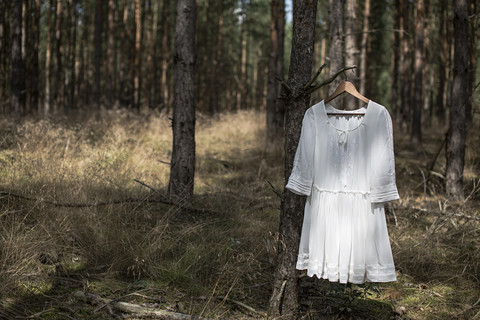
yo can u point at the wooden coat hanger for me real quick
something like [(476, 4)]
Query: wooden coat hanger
[(346, 86)]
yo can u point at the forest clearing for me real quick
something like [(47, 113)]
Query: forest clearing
[(197, 258)]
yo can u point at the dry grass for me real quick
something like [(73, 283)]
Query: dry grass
[(175, 258)]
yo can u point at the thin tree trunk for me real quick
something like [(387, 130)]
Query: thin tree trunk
[(3, 54), (98, 51), (73, 59), (405, 85), (183, 155), (473, 62), (284, 299), (335, 29), (165, 55), (351, 50), (441, 100), (456, 136), (58, 93), (396, 56), (123, 56), (48, 60), (275, 107), (137, 60), (85, 70), (68, 55), (363, 48), (416, 135), (35, 97), (218, 59), (149, 41), (111, 70), (17, 101)]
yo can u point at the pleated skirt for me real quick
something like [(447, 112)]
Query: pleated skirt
[(345, 239)]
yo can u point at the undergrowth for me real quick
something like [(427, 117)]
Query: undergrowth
[(204, 256)]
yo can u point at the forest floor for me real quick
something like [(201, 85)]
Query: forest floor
[(82, 211)]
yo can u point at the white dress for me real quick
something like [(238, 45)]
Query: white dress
[(345, 167)]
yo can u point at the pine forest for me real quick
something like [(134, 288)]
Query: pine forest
[(146, 147)]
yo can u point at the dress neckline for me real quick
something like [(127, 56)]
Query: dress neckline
[(324, 109)]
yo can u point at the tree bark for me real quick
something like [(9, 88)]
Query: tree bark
[(456, 136), (335, 29), (17, 97), (275, 107), (284, 299), (441, 99), (183, 155)]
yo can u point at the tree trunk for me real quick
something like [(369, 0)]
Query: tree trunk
[(73, 60), (218, 58), (35, 97), (473, 62), (58, 93), (441, 99), (99, 16), (48, 60), (416, 135), (17, 101), (351, 51), (111, 66), (284, 299), (363, 48), (456, 136), (335, 29), (3, 54), (183, 155), (165, 55), (137, 60), (275, 107), (406, 65), (123, 57), (396, 56)]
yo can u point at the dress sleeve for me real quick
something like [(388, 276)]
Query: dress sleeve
[(383, 185), (301, 177)]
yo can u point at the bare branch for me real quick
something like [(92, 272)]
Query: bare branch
[(331, 79)]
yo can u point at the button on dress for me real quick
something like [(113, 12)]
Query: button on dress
[(345, 167)]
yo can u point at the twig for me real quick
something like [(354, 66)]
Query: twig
[(282, 289), (84, 205), (106, 203), (314, 78), (331, 79), (146, 185), (130, 307), (243, 305), (274, 190)]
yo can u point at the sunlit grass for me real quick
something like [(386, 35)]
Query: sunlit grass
[(190, 257)]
